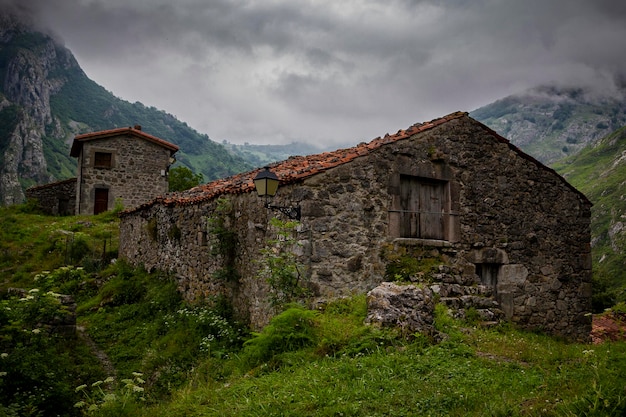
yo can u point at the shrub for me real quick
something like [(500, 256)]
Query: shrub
[(36, 369), (291, 330), (280, 267)]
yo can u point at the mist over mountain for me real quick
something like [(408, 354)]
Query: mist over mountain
[(46, 99), (551, 123)]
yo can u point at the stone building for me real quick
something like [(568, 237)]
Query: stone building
[(447, 203), (57, 198), (126, 164)]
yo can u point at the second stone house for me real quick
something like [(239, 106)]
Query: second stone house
[(123, 164), (448, 203)]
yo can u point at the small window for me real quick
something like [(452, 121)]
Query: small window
[(488, 274), (102, 160)]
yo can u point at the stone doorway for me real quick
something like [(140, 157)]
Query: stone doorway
[(101, 200)]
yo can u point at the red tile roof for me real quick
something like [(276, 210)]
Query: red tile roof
[(137, 132), (298, 168)]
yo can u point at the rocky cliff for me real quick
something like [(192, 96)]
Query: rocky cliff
[(29, 61), (46, 99)]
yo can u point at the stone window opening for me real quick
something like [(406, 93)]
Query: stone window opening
[(488, 273), (102, 160)]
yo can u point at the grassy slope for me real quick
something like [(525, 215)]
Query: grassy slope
[(476, 372), (192, 362), (599, 172)]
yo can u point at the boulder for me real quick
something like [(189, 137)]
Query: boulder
[(407, 307)]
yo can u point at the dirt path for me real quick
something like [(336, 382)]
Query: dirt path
[(103, 358)]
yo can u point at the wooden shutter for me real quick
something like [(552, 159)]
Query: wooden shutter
[(409, 207), (102, 160), (431, 199)]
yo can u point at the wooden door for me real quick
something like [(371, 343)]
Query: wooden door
[(431, 210), (101, 201), (422, 204), (409, 207)]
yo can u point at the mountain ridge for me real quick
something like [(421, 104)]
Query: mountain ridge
[(551, 123)]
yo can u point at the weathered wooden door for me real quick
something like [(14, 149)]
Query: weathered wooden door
[(422, 208), (101, 201), (431, 210), (409, 207)]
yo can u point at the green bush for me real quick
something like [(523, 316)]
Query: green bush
[(182, 178), (37, 371), (291, 330), (280, 267)]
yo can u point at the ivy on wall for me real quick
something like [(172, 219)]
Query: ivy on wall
[(280, 267), (224, 239)]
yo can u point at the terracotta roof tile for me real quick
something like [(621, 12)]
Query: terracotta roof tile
[(298, 168), (291, 170), (80, 139)]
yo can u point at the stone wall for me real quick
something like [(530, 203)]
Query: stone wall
[(58, 198), (138, 172), (515, 235)]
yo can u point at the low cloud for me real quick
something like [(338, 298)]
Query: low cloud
[(331, 72)]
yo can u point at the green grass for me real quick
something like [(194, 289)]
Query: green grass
[(170, 357), (476, 372), (32, 242)]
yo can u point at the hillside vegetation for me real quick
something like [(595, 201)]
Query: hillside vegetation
[(599, 171), (551, 123), (140, 350), (260, 155), (81, 102)]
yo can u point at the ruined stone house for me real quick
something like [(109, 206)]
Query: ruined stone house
[(124, 164), (449, 203)]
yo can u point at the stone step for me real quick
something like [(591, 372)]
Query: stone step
[(486, 316), (457, 290), (469, 301)]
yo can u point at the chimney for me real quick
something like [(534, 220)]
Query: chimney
[(137, 127)]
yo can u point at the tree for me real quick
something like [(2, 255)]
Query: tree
[(182, 178)]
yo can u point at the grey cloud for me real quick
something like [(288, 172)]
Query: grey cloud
[(323, 70)]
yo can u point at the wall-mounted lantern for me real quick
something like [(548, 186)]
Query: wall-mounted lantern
[(266, 184)]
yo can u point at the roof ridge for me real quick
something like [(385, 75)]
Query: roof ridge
[(293, 169), (79, 139)]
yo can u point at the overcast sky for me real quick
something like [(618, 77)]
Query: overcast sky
[(333, 72)]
